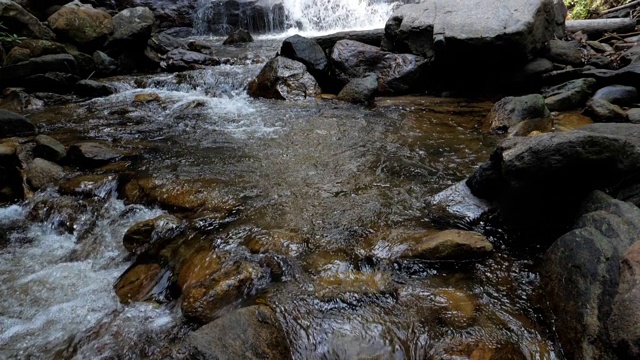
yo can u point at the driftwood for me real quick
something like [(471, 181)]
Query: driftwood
[(621, 7), (601, 26)]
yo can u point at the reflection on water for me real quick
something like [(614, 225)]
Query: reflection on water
[(333, 174)]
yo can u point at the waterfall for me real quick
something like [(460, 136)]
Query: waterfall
[(308, 16)]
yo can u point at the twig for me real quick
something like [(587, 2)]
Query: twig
[(621, 7)]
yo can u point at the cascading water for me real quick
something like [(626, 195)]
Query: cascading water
[(306, 16)]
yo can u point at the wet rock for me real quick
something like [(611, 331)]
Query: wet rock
[(279, 242), (604, 111), (224, 17), (11, 182), (91, 154), (628, 75), (162, 43), (42, 173), (570, 95), (85, 62), (238, 37), (91, 88), (89, 185), (15, 73), (493, 31), (32, 48), (601, 62), (565, 52), (204, 297), (600, 47), (623, 323), (16, 100), (12, 124), (538, 67), (360, 91), (150, 234), (284, 79), (184, 195), (617, 94), (451, 245), (511, 110), (105, 65), (132, 25), (588, 258), (181, 59), (634, 115), (146, 98), (252, 332), (457, 205), (397, 73), (81, 24), (22, 22), (458, 307), (526, 127), (52, 82), (137, 282), (543, 177), (60, 213), (353, 286), (369, 37), (306, 51)]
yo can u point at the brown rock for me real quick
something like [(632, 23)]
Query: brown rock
[(91, 154), (279, 242), (624, 323), (459, 307), (42, 173), (452, 245), (49, 148), (81, 24), (150, 234), (89, 185), (137, 282), (347, 285)]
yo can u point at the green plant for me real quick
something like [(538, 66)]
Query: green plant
[(582, 9), (6, 37)]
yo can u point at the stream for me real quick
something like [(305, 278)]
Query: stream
[(337, 176)]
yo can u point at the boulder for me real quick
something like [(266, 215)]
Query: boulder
[(306, 51), (580, 277), (601, 62), (81, 24), (509, 111), (42, 173), (22, 22), (360, 91), (284, 79), (91, 154), (570, 95), (544, 176), (623, 325), (150, 235), (14, 74), (138, 282), (604, 111), (369, 37), (451, 245), (30, 48), (633, 115), (495, 32), (105, 65), (51, 82), (64, 213), (238, 37), (49, 148), (91, 88), (133, 25), (617, 94), (252, 332), (397, 73), (181, 59), (12, 124), (565, 52)]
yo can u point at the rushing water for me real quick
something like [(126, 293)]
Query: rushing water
[(334, 173)]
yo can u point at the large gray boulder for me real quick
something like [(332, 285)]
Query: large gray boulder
[(134, 24), (511, 110), (490, 30), (580, 279), (22, 22), (284, 79), (397, 73), (306, 51)]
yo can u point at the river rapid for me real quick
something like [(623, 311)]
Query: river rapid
[(338, 176)]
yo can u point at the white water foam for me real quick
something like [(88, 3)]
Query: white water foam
[(57, 288)]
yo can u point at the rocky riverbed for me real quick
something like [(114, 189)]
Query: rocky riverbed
[(439, 189)]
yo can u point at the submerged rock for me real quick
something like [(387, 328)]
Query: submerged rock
[(284, 79), (451, 245), (137, 283), (279, 242), (238, 37), (252, 332), (511, 110), (90, 185), (457, 205), (150, 234)]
